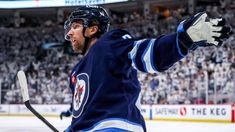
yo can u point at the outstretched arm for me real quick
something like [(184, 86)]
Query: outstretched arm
[(152, 55)]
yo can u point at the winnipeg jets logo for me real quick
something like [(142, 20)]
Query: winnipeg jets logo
[(81, 93), (80, 86)]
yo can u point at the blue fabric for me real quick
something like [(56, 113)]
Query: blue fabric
[(177, 45), (105, 85), (180, 27)]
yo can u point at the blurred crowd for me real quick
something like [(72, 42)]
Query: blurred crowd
[(204, 76)]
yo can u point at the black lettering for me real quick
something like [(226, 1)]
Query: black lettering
[(199, 111), (193, 111), (217, 111), (143, 110), (204, 111), (223, 111), (164, 111), (212, 111), (172, 111)]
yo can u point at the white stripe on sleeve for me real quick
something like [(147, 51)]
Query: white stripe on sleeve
[(147, 58), (133, 52)]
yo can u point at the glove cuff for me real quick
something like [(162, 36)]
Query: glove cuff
[(183, 38)]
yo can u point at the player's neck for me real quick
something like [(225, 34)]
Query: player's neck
[(90, 44)]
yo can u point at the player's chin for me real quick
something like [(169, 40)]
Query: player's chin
[(77, 50)]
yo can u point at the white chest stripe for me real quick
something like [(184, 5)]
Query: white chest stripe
[(116, 123)]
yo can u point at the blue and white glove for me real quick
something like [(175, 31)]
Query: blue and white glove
[(199, 30)]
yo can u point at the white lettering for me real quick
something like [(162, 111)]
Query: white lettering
[(83, 2), (126, 36)]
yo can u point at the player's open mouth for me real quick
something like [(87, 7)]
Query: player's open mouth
[(73, 40)]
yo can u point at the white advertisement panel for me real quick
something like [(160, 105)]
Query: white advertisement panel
[(4, 109), (145, 111), (193, 112)]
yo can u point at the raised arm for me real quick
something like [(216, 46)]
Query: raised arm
[(152, 55)]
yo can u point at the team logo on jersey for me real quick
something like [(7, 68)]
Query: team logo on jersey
[(81, 93)]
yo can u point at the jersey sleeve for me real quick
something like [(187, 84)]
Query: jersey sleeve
[(151, 55)]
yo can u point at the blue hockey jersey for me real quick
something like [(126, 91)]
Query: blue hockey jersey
[(104, 83)]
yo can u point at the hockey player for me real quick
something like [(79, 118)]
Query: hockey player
[(104, 82)]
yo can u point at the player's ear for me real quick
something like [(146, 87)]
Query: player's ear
[(92, 30)]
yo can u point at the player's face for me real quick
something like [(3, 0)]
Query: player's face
[(76, 36)]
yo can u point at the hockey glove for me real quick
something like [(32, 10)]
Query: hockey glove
[(65, 114), (200, 30)]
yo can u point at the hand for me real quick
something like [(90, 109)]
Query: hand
[(65, 114), (200, 30)]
